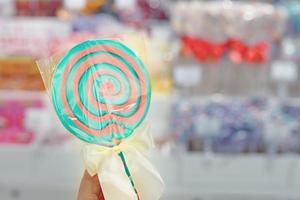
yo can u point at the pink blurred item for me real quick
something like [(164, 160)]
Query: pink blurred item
[(12, 117)]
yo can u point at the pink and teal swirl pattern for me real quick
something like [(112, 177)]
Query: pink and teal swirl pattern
[(101, 91)]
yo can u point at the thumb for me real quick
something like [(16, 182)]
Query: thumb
[(90, 188)]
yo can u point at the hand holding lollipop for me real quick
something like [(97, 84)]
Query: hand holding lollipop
[(101, 93)]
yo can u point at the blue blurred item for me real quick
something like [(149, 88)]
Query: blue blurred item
[(235, 125)]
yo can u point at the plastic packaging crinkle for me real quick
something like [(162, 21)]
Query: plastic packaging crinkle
[(101, 92)]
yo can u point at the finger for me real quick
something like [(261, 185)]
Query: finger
[(90, 188)]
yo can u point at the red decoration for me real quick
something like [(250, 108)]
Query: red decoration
[(238, 51), (203, 50)]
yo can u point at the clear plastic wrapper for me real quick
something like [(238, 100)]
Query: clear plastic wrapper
[(101, 93), (100, 88)]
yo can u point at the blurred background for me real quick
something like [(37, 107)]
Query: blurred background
[(225, 111)]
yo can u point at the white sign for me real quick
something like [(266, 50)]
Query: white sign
[(285, 71), (187, 75)]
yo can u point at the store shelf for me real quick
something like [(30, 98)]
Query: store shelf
[(243, 175), (57, 172)]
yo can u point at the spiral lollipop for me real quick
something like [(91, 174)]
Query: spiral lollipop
[(101, 91)]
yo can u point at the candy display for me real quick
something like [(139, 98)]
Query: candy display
[(37, 7), (98, 84), (211, 29), (290, 43), (19, 73), (101, 91), (95, 24), (287, 116), (163, 50), (292, 8), (214, 21), (153, 9), (141, 13), (237, 125), (93, 6), (13, 111), (22, 41), (238, 51), (30, 37)]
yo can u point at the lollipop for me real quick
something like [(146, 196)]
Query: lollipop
[(101, 91)]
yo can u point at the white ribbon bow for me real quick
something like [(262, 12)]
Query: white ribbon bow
[(107, 163)]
